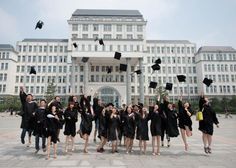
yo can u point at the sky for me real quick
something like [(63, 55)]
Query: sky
[(204, 22)]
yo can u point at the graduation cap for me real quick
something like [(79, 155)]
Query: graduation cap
[(138, 71), (123, 67), (207, 81), (101, 42), (85, 59), (169, 86), (32, 70), (153, 85), (158, 61), (156, 67), (75, 45), (39, 24), (181, 78), (109, 69), (110, 104), (117, 55)]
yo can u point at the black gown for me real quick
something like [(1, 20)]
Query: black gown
[(86, 122), (209, 118), (102, 126), (184, 118), (155, 126), (40, 125), (142, 127), (172, 129), (71, 117), (52, 125), (113, 130), (129, 126)]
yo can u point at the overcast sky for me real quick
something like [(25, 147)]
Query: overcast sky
[(204, 22)]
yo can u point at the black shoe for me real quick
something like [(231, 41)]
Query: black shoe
[(22, 141), (206, 150), (209, 150)]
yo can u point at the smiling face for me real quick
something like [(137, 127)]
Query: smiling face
[(129, 109), (186, 105), (156, 107)]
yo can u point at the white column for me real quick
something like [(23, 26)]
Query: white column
[(72, 81), (128, 82), (141, 80), (86, 77)]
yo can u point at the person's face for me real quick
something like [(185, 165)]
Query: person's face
[(129, 109), (110, 107), (113, 110), (170, 106), (71, 106), (58, 99), (206, 100), (42, 104), (53, 108), (186, 105), (156, 107), (99, 102), (144, 110), (136, 108), (75, 99)]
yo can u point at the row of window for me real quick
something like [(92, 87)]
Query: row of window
[(107, 27), (108, 36), (4, 66), (3, 77), (219, 68), (111, 48), (40, 59), (172, 60), (221, 89), (171, 50), (44, 69), (4, 55), (174, 70), (40, 48), (219, 57), (222, 78)]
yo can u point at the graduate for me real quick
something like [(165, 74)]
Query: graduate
[(28, 115), (164, 121), (87, 116), (129, 128), (185, 122), (122, 116), (96, 108), (102, 129), (71, 117), (52, 125), (113, 130), (142, 119), (206, 125), (155, 127), (40, 126), (172, 117)]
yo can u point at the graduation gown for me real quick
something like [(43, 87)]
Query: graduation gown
[(172, 128), (142, 127), (71, 117), (184, 118), (113, 130), (129, 126), (40, 125), (209, 118), (155, 126), (86, 122), (52, 125)]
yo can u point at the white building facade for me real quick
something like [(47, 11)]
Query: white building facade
[(58, 61)]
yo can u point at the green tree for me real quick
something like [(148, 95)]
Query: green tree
[(51, 90), (10, 102)]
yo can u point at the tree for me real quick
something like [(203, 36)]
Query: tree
[(51, 90), (10, 102), (161, 91)]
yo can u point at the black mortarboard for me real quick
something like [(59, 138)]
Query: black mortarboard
[(109, 69), (110, 104), (75, 45), (181, 78), (32, 70), (117, 55), (123, 67), (169, 86), (153, 85), (156, 67), (101, 42), (158, 61), (39, 24), (140, 104), (138, 71), (207, 81), (85, 59)]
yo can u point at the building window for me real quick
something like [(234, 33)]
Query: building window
[(95, 27), (107, 27), (129, 28), (84, 36), (119, 28), (139, 28), (85, 27), (129, 36), (107, 36), (74, 27), (119, 36)]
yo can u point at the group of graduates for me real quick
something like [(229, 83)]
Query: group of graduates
[(132, 121)]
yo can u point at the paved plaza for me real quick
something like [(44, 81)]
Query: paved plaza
[(14, 154)]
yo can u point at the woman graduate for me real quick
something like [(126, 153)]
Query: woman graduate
[(87, 117), (185, 122), (71, 117), (206, 125), (142, 119), (129, 128), (52, 125), (172, 115)]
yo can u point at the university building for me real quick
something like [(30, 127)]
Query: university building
[(83, 69)]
